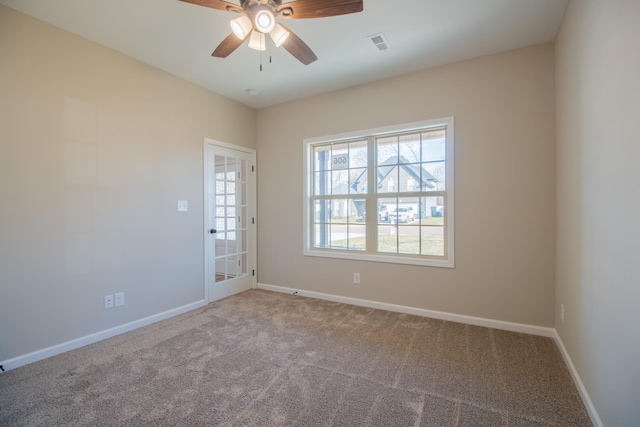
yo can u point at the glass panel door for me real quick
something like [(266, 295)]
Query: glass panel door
[(230, 218), (230, 207)]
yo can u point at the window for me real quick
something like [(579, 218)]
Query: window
[(382, 195)]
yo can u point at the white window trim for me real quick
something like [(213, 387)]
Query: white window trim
[(308, 250)]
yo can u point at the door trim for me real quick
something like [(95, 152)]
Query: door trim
[(208, 144)]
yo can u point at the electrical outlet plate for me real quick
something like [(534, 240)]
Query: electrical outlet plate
[(119, 299), (108, 302), (356, 278)]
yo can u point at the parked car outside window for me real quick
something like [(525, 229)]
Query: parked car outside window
[(383, 213), (402, 214)]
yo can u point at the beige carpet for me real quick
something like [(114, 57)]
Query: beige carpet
[(265, 359)]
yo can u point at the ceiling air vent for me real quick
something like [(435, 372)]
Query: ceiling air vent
[(380, 41)]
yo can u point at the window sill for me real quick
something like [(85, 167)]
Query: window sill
[(391, 259)]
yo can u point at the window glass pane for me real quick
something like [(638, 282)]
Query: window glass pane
[(357, 237), (432, 241), (231, 199), (231, 223), (387, 149), (433, 146), (409, 177), (358, 181), (322, 187), (321, 156), (322, 211), (357, 210), (387, 238), (433, 210), (340, 182), (231, 187), (219, 211), (219, 187), (339, 210), (409, 148), (231, 212), (321, 235), (340, 156), (338, 235), (358, 157), (433, 176), (384, 206), (404, 210), (408, 239), (388, 179), (432, 230), (219, 168), (220, 224)]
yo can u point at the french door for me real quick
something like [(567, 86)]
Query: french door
[(229, 219)]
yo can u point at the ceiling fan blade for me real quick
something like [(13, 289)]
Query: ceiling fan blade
[(227, 46), (302, 9), (296, 47), (216, 4)]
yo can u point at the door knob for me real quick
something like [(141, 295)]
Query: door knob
[(213, 231)]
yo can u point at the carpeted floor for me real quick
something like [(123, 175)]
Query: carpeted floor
[(264, 359)]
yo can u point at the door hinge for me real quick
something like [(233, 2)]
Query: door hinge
[(253, 272), (253, 221), (253, 168)]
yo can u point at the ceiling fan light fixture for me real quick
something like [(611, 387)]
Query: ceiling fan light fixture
[(241, 26), (257, 41), (279, 35), (265, 21)]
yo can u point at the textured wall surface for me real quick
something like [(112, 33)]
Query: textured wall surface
[(598, 201), (504, 187), (95, 151)]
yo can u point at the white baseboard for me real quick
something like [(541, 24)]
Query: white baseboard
[(98, 336), (459, 318), (477, 321), (595, 418)]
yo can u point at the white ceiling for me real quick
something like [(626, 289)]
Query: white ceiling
[(179, 37)]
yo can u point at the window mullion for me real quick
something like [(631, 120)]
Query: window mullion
[(371, 199)]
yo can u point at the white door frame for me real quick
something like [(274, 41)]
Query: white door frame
[(209, 250)]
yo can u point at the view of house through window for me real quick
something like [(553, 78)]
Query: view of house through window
[(386, 194)]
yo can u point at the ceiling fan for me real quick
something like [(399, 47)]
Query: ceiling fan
[(258, 18)]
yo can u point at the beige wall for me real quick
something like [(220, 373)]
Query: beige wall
[(95, 151), (505, 187), (598, 201)]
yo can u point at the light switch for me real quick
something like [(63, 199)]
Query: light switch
[(183, 206)]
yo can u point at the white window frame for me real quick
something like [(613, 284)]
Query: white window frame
[(424, 260)]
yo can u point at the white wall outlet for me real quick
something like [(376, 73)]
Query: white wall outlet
[(356, 278), (119, 299), (183, 205), (562, 312), (108, 301)]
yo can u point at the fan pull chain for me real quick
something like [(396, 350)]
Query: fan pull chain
[(270, 61)]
